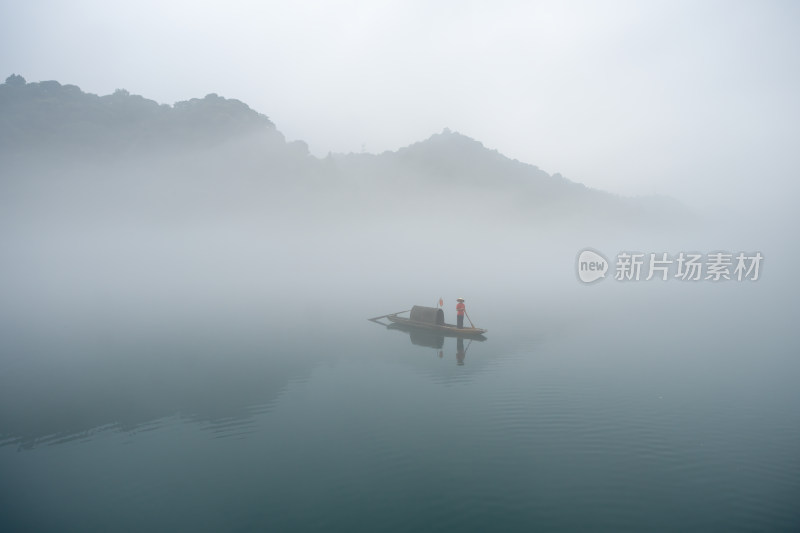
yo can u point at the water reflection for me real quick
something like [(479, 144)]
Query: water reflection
[(432, 339), (420, 337), (54, 391)]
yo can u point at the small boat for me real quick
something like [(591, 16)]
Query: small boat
[(431, 319)]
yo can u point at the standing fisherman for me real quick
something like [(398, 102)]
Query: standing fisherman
[(460, 310)]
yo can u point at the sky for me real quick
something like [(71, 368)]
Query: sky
[(695, 100)]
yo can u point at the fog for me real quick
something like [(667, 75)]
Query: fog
[(691, 101), (215, 232), (115, 269), (205, 267)]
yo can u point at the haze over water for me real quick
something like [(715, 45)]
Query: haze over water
[(186, 277), (250, 392)]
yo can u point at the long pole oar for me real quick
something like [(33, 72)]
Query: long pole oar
[(468, 318)]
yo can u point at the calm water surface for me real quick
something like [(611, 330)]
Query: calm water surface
[(617, 410)]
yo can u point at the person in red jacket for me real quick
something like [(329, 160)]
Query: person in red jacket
[(460, 310)]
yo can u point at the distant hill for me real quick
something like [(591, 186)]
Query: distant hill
[(454, 170), (240, 154), (50, 115), (453, 159)]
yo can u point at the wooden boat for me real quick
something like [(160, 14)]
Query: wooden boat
[(431, 319)]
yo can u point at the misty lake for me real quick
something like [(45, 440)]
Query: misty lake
[(186, 280), (610, 408)]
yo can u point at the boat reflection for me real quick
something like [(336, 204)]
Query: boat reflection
[(429, 339)]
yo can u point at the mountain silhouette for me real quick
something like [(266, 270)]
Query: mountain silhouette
[(220, 138)]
